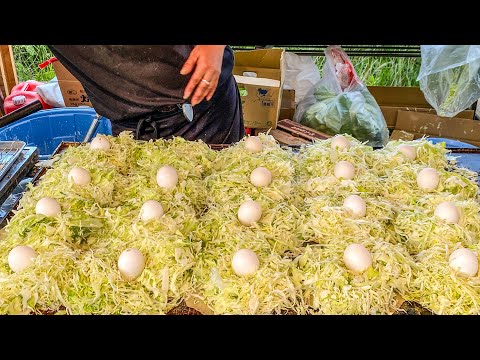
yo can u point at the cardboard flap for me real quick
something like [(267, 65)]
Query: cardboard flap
[(61, 72), (261, 72), (256, 81), (399, 96), (270, 58)]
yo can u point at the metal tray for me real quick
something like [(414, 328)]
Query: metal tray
[(24, 163), (14, 182), (9, 153)]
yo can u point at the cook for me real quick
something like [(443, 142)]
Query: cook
[(152, 90)]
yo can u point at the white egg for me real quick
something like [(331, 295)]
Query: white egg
[(48, 206), (151, 209), (464, 261), (100, 142), (167, 177), (79, 176), (131, 264), (357, 258), (428, 179), (356, 205), (249, 212), (20, 257), (245, 262), (261, 177), (448, 212), (340, 142), (253, 144), (344, 170), (407, 150)]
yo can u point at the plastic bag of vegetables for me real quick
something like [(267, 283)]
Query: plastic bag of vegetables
[(450, 77), (341, 104)]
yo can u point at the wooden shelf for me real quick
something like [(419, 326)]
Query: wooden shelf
[(8, 73)]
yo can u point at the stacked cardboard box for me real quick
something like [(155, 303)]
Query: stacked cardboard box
[(393, 99), (409, 116)]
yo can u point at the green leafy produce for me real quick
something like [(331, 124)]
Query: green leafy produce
[(350, 112)]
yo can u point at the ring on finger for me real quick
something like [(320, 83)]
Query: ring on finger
[(206, 82)]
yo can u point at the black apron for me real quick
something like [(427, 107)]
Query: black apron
[(211, 120), (133, 84)]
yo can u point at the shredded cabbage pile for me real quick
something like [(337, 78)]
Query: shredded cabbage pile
[(299, 240), (269, 290), (78, 251), (398, 213), (437, 287), (419, 229), (328, 220), (316, 163), (328, 287)]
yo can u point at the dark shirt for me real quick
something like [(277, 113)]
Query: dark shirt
[(127, 82)]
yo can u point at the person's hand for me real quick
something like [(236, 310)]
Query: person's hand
[(206, 63)]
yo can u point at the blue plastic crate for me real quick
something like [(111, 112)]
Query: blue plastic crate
[(46, 129)]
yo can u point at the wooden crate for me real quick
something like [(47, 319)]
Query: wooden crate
[(291, 133)]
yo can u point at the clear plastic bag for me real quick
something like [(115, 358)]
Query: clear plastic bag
[(340, 104), (450, 77), (301, 73)]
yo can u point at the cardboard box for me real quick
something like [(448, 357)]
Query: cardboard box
[(287, 108), (72, 90), (420, 124), (393, 99), (261, 95)]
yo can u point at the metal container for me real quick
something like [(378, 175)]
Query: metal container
[(9, 153)]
